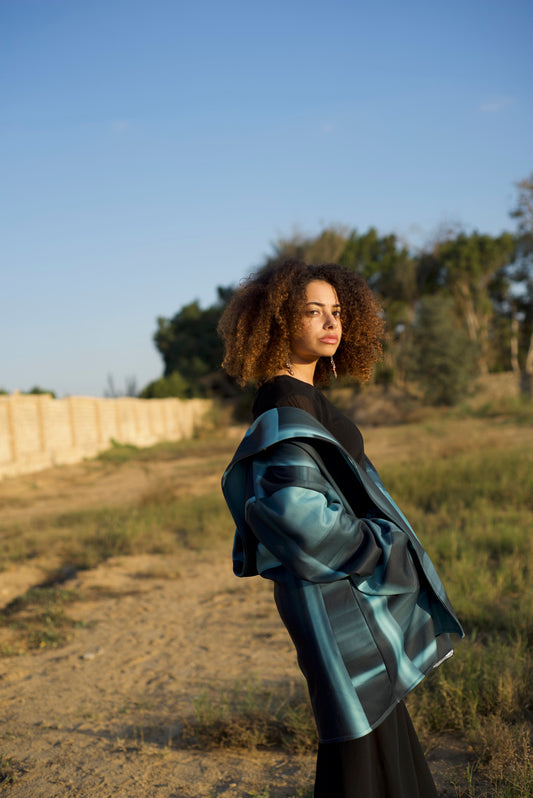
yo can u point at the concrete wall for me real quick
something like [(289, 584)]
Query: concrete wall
[(38, 431)]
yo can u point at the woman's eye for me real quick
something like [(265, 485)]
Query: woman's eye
[(316, 312)]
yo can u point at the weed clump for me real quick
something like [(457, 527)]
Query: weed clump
[(252, 715), (37, 620)]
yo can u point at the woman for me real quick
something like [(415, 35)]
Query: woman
[(357, 592)]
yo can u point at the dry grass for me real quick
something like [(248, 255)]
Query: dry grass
[(464, 478), (37, 620), (253, 715)]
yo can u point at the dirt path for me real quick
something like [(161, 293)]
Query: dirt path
[(102, 715)]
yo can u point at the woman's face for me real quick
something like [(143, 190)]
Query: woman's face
[(320, 330)]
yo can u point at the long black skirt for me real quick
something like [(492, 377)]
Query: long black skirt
[(387, 763)]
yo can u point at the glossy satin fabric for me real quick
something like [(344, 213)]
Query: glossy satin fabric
[(359, 596)]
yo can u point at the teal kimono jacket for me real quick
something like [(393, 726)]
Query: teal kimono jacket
[(358, 594)]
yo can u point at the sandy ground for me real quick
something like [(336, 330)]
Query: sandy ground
[(102, 715)]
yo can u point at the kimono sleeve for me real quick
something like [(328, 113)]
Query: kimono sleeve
[(304, 523)]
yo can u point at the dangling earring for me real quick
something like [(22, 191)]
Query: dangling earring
[(334, 368), (288, 366)]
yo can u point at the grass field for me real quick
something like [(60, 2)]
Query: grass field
[(469, 496), (475, 513)]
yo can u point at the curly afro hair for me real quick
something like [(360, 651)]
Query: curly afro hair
[(265, 311)]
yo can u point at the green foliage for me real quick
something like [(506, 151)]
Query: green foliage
[(190, 347), (381, 261), (440, 358), (127, 452), (389, 269), (473, 260), (469, 265), (119, 452), (37, 391), (520, 300), (173, 385), (523, 210), (326, 247)]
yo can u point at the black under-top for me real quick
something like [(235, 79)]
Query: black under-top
[(289, 392)]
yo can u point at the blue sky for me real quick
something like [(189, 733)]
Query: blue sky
[(154, 149)]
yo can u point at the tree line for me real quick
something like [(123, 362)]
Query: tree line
[(461, 307)]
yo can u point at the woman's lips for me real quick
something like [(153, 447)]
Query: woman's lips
[(329, 339)]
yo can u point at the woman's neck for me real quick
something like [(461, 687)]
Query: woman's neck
[(300, 371)]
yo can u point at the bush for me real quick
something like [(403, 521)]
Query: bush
[(173, 385)]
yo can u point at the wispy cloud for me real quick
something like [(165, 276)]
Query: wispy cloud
[(120, 125), (496, 104)]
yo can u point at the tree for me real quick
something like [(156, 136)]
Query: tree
[(440, 358), (323, 248), (388, 268), (392, 273), (522, 299), (190, 346), (467, 265), (523, 211)]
